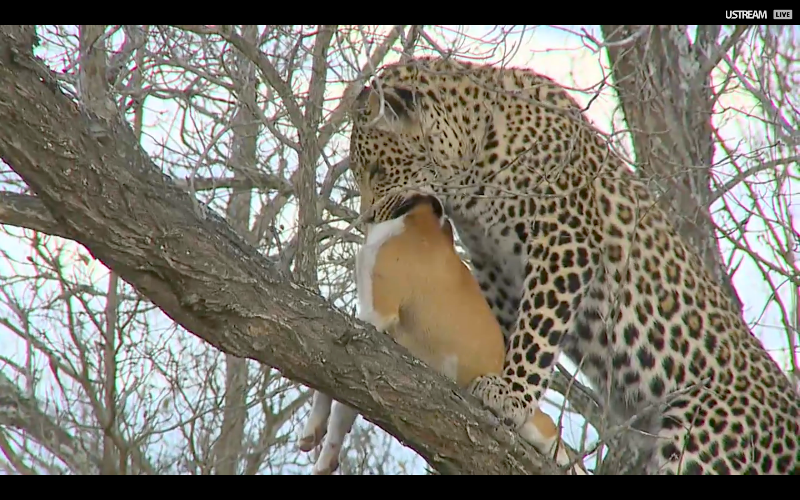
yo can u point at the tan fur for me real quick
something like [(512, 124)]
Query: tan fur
[(434, 303), (424, 296)]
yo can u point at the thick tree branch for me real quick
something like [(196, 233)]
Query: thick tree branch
[(28, 212), (109, 196)]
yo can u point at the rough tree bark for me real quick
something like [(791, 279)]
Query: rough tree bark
[(105, 193)]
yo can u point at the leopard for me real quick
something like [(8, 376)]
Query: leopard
[(576, 256), (412, 285)]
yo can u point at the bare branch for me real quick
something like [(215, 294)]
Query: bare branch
[(116, 203), (20, 412)]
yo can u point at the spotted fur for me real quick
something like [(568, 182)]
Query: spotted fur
[(574, 255)]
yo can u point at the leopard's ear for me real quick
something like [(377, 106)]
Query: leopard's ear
[(391, 109)]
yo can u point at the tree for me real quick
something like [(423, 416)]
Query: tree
[(262, 126)]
